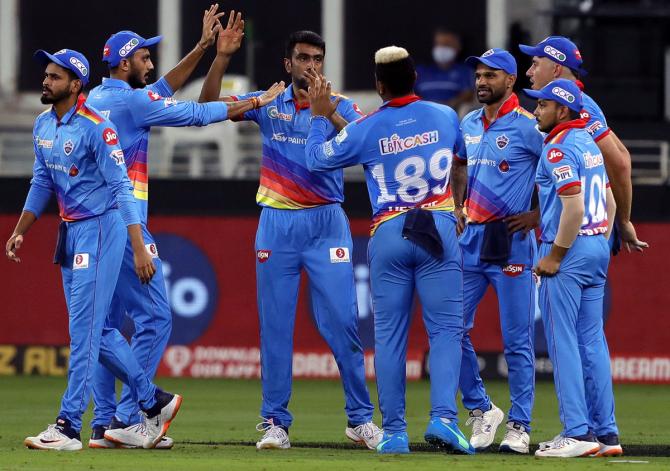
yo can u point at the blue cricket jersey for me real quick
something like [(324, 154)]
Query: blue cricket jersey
[(80, 160), (502, 158), (571, 158), (406, 148), (285, 181), (135, 111)]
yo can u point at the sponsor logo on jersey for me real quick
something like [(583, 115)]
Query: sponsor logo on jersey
[(263, 255), (151, 248), (117, 155), (472, 139), (562, 173), (328, 149), (105, 113), (127, 47), (68, 147), (153, 96), (79, 65), (274, 113), (281, 137), (562, 93), (110, 137), (502, 141), (513, 269), (489, 162), (595, 127), (591, 160), (503, 166), (341, 136), (554, 155), (169, 101), (74, 171), (44, 143), (396, 144), (585, 115), (555, 53), (339, 255), (80, 261)]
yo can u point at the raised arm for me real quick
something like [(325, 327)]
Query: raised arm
[(228, 42), (181, 72)]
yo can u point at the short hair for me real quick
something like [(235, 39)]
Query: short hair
[(307, 37), (395, 69)]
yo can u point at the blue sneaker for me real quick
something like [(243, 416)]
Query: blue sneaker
[(394, 443), (445, 434)]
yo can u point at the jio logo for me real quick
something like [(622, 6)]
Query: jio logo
[(191, 286)]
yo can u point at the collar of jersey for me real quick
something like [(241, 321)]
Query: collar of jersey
[(573, 124), (70, 113), (115, 83), (401, 101), (507, 107), (288, 96)]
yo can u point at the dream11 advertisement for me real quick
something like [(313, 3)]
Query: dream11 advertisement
[(209, 267)]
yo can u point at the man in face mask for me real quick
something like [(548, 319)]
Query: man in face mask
[(446, 81)]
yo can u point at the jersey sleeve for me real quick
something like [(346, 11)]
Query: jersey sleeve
[(534, 139), (251, 115), (460, 152), (106, 150), (151, 109), (596, 124), (344, 150), (561, 164), (162, 87), (41, 186), (348, 110)]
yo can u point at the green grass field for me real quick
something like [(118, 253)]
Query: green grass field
[(215, 430)]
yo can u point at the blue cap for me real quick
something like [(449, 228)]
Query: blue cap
[(495, 58), (562, 91), (559, 49), (123, 44), (67, 58)]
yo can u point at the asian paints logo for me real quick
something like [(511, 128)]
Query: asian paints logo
[(191, 286)]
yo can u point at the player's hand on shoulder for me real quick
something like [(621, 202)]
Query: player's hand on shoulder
[(271, 93), (629, 238), (144, 265), (13, 245)]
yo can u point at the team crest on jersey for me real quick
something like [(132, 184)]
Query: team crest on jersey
[(263, 255), (74, 171), (339, 255), (502, 141), (68, 147), (503, 166)]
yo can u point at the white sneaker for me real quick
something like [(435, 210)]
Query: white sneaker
[(484, 426), (274, 436), (53, 439), (566, 447), (609, 446), (367, 433), (516, 439), (132, 436), (157, 425)]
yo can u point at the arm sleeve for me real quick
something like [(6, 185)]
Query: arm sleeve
[(344, 150), (151, 109), (349, 110), (251, 115), (561, 163), (112, 166), (162, 87), (596, 124), (41, 187)]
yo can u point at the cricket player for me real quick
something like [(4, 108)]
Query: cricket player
[(134, 108), (558, 57), (577, 209), (502, 147), (406, 148), (302, 225), (78, 157)]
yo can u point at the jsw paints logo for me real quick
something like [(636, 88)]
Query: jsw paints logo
[(514, 269)]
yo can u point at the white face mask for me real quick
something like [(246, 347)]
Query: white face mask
[(443, 54)]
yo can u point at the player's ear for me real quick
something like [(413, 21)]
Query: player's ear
[(511, 79), (287, 65)]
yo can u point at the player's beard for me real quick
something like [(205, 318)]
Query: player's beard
[(301, 83), (55, 97), (494, 96), (136, 80)]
